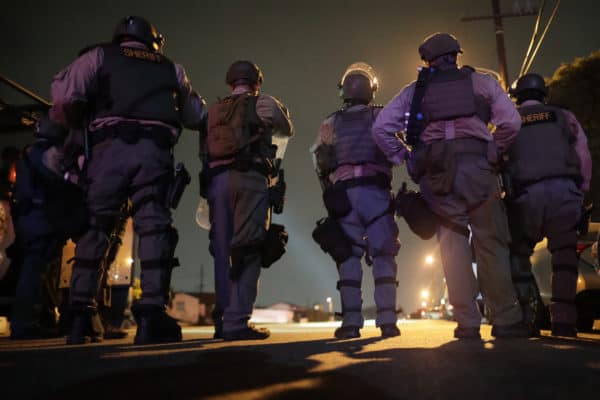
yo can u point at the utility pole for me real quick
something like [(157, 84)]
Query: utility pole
[(201, 278), (498, 16)]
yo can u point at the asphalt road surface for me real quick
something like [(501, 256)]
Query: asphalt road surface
[(304, 362)]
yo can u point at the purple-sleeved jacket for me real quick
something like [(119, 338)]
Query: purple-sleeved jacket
[(504, 117), (79, 81)]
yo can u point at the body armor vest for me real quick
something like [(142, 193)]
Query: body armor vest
[(235, 129), (137, 84), (353, 141), (450, 95), (544, 147)]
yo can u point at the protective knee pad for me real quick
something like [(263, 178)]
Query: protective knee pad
[(155, 280)]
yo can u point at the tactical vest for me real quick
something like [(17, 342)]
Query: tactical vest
[(450, 95), (544, 147), (353, 141), (137, 84), (235, 129)]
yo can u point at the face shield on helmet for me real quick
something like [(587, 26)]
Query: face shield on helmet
[(359, 82)]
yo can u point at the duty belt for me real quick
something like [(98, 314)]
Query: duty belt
[(133, 132), (381, 180), (469, 146), (240, 165)]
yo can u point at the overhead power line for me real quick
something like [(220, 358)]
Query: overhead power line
[(539, 44)]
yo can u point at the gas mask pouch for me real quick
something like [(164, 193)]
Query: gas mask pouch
[(332, 239), (273, 247)]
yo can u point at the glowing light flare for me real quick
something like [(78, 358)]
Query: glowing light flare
[(429, 260), (424, 294)]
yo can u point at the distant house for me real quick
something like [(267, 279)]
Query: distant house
[(279, 313), (192, 308)]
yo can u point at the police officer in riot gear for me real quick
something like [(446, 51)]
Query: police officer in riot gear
[(549, 166), (356, 176), (238, 156), (133, 101), (49, 210), (445, 116)]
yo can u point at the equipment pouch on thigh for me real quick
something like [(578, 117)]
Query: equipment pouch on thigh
[(277, 193), (273, 247), (441, 168), (336, 201), (332, 239)]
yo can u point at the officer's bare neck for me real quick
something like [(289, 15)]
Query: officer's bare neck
[(244, 88)]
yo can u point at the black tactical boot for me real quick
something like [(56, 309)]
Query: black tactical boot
[(155, 326), (249, 333), (389, 330), (565, 330), (347, 332), (516, 330), (465, 332), (218, 330), (114, 332), (86, 326)]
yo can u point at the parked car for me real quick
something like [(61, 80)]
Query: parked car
[(588, 282)]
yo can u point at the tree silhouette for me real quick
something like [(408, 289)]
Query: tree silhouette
[(576, 86)]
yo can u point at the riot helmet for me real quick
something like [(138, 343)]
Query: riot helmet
[(437, 45), (140, 29), (243, 72), (529, 87), (358, 83)]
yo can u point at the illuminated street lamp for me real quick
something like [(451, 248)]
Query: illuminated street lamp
[(330, 307), (424, 294), (429, 260)]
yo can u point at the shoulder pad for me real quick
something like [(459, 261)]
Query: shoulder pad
[(92, 47), (375, 106)]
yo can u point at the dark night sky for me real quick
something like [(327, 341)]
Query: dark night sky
[(302, 47)]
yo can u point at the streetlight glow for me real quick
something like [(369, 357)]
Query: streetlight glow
[(429, 259), (425, 294)]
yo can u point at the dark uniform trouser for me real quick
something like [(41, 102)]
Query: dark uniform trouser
[(239, 217), (550, 208), (474, 200), (117, 171), (370, 218), (39, 245)]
